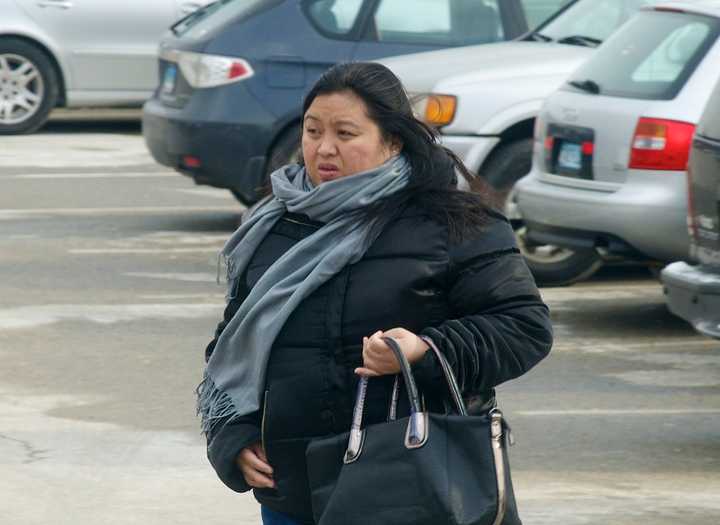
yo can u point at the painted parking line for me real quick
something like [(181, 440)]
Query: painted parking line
[(96, 175), (191, 277), (124, 210), (601, 346), (143, 251), (40, 315), (619, 412)]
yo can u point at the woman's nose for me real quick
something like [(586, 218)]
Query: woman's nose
[(327, 147)]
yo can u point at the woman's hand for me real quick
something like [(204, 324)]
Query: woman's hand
[(254, 467), (378, 357)]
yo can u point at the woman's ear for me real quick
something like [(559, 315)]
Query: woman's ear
[(396, 145)]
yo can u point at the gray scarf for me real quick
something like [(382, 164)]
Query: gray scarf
[(234, 379)]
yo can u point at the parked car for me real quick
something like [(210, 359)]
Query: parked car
[(612, 144), (484, 99), (63, 53), (693, 291), (227, 110)]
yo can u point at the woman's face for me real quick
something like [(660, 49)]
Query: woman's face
[(339, 139)]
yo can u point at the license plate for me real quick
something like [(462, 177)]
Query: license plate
[(168, 83), (570, 156)]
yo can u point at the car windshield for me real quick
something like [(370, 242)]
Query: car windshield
[(589, 22), (211, 15), (649, 58)]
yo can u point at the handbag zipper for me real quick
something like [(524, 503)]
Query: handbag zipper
[(496, 434)]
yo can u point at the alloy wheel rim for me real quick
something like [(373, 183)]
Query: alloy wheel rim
[(539, 253), (21, 89)]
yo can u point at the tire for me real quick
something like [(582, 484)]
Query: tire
[(29, 87), (508, 163), (550, 265), (286, 149), (556, 266)]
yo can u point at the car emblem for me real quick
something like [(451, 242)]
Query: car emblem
[(569, 114)]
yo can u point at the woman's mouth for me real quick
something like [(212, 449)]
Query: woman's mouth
[(328, 171)]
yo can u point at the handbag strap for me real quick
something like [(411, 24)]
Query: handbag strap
[(416, 433), (455, 393)]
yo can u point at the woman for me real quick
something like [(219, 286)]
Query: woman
[(370, 238)]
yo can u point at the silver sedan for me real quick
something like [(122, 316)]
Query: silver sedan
[(79, 53)]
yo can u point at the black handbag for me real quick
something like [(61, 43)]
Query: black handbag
[(424, 469)]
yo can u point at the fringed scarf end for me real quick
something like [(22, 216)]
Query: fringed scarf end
[(213, 406)]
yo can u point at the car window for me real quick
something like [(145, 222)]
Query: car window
[(651, 57), (198, 23), (594, 19), (537, 11), (709, 125), (334, 16), (441, 22)]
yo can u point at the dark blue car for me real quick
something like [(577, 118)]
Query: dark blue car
[(232, 75)]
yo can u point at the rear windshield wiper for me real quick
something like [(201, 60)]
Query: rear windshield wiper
[(590, 86), (184, 21), (580, 40)]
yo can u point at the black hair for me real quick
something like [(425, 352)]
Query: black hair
[(433, 179)]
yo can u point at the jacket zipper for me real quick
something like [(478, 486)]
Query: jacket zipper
[(496, 433), (262, 423)]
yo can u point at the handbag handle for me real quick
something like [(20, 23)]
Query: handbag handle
[(449, 376), (452, 383), (416, 433), (417, 429)]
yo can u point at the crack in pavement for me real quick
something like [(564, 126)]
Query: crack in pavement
[(33, 454)]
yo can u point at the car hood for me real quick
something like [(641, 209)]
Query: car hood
[(420, 72)]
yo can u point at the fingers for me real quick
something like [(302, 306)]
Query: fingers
[(259, 451), (378, 357), (366, 372), (259, 481), (254, 467)]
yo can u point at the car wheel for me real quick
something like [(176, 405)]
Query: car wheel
[(551, 265), (286, 149), (28, 87), (508, 163)]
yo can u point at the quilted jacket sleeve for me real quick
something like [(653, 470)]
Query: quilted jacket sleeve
[(229, 438), (499, 326)]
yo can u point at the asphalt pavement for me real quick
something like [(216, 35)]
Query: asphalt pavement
[(108, 298)]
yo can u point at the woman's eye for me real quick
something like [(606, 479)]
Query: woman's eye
[(311, 131), (345, 133)]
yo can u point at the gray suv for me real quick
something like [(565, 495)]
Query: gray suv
[(693, 292)]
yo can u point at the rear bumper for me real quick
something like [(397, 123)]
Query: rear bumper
[(693, 293), (644, 217), (231, 155)]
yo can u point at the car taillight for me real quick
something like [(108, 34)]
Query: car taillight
[(204, 71), (661, 145)]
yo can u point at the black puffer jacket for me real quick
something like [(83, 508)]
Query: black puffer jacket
[(476, 300)]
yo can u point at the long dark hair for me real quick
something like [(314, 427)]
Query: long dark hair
[(433, 179)]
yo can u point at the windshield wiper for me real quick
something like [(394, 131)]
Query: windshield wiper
[(190, 17), (590, 86), (539, 37), (580, 40)]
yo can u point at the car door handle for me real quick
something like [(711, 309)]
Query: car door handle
[(58, 4)]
